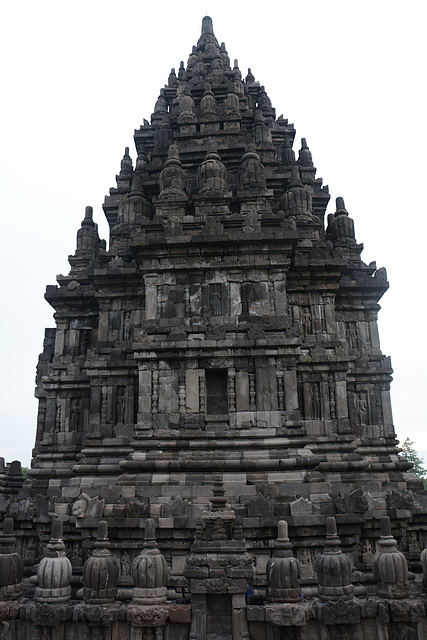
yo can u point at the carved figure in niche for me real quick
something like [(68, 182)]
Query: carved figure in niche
[(320, 321), (84, 342), (148, 634), (75, 415), (332, 403), (352, 335), (79, 508), (127, 326), (367, 551), (362, 409), (58, 416), (413, 544), (77, 552), (216, 300), (306, 320), (304, 557), (120, 405), (104, 405), (88, 507), (125, 563), (315, 402), (29, 550)]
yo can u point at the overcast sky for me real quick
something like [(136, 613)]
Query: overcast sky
[(78, 78)]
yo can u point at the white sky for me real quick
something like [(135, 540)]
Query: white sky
[(78, 78)]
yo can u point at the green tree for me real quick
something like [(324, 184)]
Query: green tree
[(411, 455)]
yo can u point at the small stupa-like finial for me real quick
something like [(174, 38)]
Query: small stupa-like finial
[(333, 567), (389, 565), (11, 564), (283, 570), (305, 157), (341, 210), (149, 570), (295, 178), (250, 77), (88, 219), (218, 500), (207, 25), (55, 570), (101, 570)]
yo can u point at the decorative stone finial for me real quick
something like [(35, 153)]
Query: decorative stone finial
[(341, 210), (288, 153), (283, 570), (250, 77), (149, 570), (334, 568), (172, 80), (218, 500), (88, 216), (126, 162), (224, 56), (192, 59), (208, 104), (54, 571), (124, 179), (231, 105), (101, 570), (181, 70), (173, 179), (305, 157), (264, 101), (11, 564), (237, 75), (261, 132), (340, 226), (389, 565), (297, 201), (295, 178), (252, 172), (141, 162), (87, 235), (161, 105), (207, 25), (212, 173), (186, 109)]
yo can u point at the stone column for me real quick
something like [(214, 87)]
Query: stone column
[(291, 393), (144, 396), (198, 617), (239, 621), (150, 297)]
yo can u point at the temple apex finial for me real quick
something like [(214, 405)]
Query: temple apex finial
[(207, 25)]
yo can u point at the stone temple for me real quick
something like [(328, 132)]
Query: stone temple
[(215, 455)]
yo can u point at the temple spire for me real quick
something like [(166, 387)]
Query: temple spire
[(207, 25)]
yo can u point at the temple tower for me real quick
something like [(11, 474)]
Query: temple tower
[(218, 369)]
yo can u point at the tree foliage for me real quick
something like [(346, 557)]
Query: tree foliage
[(411, 455)]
